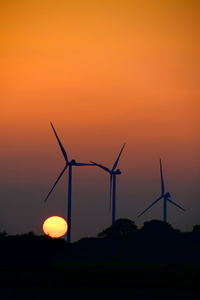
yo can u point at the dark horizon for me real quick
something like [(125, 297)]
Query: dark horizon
[(104, 74)]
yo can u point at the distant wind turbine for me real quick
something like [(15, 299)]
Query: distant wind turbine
[(113, 172), (165, 196), (69, 164)]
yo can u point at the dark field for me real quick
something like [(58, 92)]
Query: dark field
[(97, 281), (143, 264)]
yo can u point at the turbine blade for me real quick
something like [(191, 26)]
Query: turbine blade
[(162, 179), (110, 205), (56, 183), (101, 166), (150, 206), (83, 164), (174, 203), (60, 144), (117, 160)]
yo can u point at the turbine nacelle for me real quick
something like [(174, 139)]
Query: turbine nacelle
[(167, 195), (117, 172)]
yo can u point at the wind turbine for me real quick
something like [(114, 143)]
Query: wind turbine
[(165, 196), (113, 172), (69, 165)]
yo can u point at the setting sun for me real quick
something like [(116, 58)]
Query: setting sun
[(55, 226)]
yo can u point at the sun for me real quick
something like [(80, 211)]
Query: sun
[(55, 226)]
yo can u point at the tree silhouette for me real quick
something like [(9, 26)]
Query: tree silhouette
[(121, 228), (196, 229), (155, 228)]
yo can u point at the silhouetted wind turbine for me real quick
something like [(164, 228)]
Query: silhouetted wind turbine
[(113, 172), (165, 196), (69, 164)]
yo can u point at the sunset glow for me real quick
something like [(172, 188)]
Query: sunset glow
[(104, 73)]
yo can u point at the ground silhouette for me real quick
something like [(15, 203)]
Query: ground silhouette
[(156, 256)]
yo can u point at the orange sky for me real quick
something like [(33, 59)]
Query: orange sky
[(103, 74)]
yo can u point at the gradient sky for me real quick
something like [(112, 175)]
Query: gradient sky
[(104, 74)]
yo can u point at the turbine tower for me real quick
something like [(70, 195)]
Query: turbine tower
[(113, 172), (165, 196), (69, 165)]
